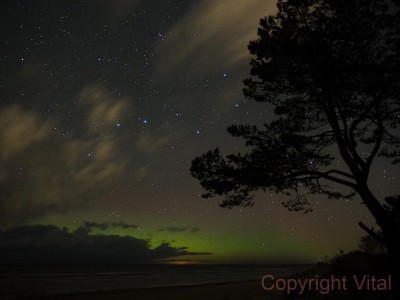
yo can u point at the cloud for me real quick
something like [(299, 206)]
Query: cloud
[(89, 226), (19, 130), (166, 251), (158, 139), (124, 225), (176, 229), (93, 225), (141, 173), (227, 25), (194, 229), (105, 109), (48, 244), (43, 171), (151, 143)]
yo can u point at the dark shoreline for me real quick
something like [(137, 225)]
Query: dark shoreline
[(107, 281), (224, 290), (243, 290)]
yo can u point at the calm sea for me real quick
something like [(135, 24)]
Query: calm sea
[(21, 281)]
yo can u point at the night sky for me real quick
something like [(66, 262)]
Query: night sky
[(103, 106)]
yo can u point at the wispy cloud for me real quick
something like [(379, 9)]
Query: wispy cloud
[(105, 110), (227, 25), (44, 171), (157, 139), (19, 130)]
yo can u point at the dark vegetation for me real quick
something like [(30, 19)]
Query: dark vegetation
[(369, 260)]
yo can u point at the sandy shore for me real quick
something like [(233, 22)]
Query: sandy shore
[(250, 290)]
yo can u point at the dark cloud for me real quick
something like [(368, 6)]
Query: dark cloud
[(104, 226), (93, 225), (194, 229), (124, 225), (165, 250), (50, 244), (176, 229)]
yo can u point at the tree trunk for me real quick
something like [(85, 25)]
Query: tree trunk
[(392, 238), (389, 223)]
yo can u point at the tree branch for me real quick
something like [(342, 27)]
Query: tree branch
[(343, 149), (340, 173), (321, 135), (325, 175), (352, 128), (378, 142), (372, 233), (349, 138)]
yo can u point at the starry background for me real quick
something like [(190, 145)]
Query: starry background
[(103, 106)]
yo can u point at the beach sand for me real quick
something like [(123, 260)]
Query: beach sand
[(250, 290)]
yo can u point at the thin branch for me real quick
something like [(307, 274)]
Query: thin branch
[(353, 127), (344, 122), (321, 145), (340, 173), (323, 134), (391, 135), (397, 110), (325, 175), (372, 233), (344, 151), (341, 181), (378, 142)]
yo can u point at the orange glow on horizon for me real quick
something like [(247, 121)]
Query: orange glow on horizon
[(182, 262)]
